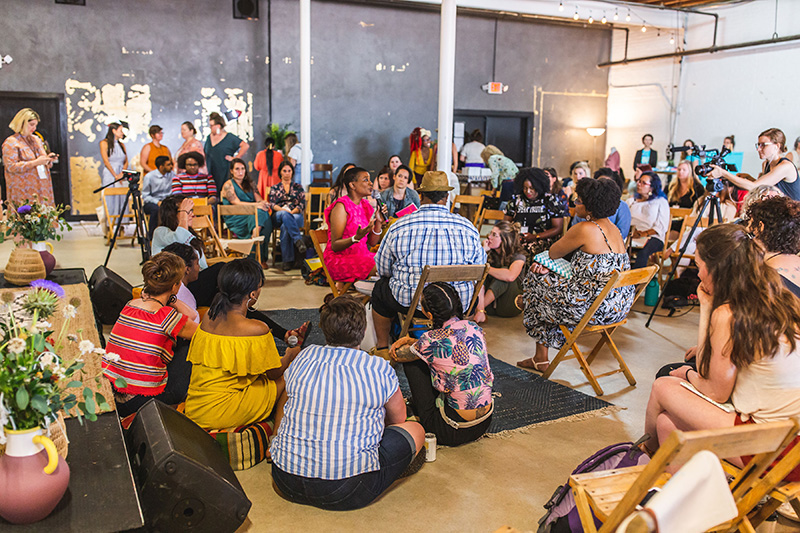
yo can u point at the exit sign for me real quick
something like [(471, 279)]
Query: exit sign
[(495, 87)]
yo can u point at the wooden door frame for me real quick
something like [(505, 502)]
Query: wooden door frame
[(486, 113), (63, 160)]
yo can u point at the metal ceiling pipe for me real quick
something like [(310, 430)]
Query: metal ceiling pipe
[(709, 50)]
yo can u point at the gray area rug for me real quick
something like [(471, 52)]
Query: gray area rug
[(522, 399)]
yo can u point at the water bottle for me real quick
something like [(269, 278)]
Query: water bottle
[(651, 293)]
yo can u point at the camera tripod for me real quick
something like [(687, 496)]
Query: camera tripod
[(138, 215), (712, 203)]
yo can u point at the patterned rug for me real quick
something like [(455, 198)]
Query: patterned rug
[(522, 399)]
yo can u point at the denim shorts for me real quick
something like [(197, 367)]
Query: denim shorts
[(396, 451)]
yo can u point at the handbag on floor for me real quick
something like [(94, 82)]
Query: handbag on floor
[(562, 514)]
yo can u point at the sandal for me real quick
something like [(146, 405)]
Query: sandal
[(530, 364)]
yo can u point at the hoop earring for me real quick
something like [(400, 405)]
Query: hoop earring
[(249, 308)]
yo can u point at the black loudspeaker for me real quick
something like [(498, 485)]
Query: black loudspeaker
[(185, 483), (245, 9), (109, 294)]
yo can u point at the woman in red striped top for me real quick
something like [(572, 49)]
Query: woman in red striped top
[(140, 347), (191, 183)]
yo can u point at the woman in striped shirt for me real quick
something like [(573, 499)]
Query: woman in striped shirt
[(139, 352), (193, 184)]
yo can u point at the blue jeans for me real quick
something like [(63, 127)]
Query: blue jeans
[(396, 451), (652, 246), (297, 178), (290, 232)]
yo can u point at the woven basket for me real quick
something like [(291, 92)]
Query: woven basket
[(58, 434), (24, 265)]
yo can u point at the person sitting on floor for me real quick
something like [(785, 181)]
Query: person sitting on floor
[(288, 202), (143, 339), (747, 353), (156, 185), (192, 184), (429, 236), (504, 282), (448, 370), (598, 250), (776, 224), (650, 218), (240, 190), (344, 438), (399, 195), (354, 229), (190, 259), (237, 373), (175, 225)]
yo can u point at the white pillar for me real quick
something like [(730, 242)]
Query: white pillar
[(447, 73), (305, 91)]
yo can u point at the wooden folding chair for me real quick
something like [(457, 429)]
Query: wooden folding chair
[(314, 215), (492, 215), (240, 209), (658, 258), (327, 173), (447, 273), (614, 494), (113, 218), (467, 199), (639, 278), (203, 225), (320, 239)]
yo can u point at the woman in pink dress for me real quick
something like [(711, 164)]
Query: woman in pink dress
[(354, 228), (26, 162), (190, 144)]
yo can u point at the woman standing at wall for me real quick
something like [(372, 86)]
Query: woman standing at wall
[(190, 144), (221, 148), (27, 164), (115, 160)]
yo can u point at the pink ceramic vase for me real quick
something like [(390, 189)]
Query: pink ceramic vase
[(33, 478)]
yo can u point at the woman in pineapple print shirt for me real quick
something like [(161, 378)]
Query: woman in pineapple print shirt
[(448, 370)]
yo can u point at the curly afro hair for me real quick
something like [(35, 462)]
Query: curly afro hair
[(600, 197), (539, 181), (780, 217), (197, 156)]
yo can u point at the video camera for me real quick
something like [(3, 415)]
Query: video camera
[(713, 158), (131, 176)]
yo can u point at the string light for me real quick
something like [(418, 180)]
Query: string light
[(591, 19), (561, 6), (671, 39), (644, 28), (628, 16), (576, 16), (604, 19), (616, 14)]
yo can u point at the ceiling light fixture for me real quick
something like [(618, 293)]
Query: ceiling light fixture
[(671, 39), (644, 28), (561, 6), (575, 16), (604, 19), (628, 16), (616, 14), (591, 19)]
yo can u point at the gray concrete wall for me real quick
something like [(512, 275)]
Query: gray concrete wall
[(374, 78)]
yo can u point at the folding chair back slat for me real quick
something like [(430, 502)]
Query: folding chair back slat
[(320, 239), (468, 199), (238, 209), (321, 194), (127, 213), (492, 215)]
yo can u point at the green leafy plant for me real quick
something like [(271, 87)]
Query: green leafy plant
[(279, 133), (35, 221), (33, 378)]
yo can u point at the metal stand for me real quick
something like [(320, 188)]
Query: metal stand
[(711, 200), (138, 215)]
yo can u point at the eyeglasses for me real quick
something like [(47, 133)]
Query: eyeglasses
[(762, 145), (578, 201), (645, 183)]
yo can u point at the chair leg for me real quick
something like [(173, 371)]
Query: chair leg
[(562, 353), (586, 370), (618, 357), (765, 512), (596, 349), (584, 510)]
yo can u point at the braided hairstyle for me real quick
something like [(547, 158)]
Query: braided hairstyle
[(236, 280), (161, 272), (442, 301)]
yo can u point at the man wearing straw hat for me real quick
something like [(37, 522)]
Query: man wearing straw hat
[(429, 236)]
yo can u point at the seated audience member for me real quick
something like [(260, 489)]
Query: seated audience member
[(557, 187), (175, 225), (683, 191), (394, 162), (756, 194), (579, 170), (450, 362), (641, 169), (384, 179), (503, 169), (156, 185), (143, 338), (776, 224), (239, 190), (288, 202), (354, 228), (192, 184), (399, 195), (598, 250), (430, 236), (622, 218), (539, 213), (343, 438), (190, 259), (747, 350), (650, 218), (338, 190), (237, 373), (267, 163), (504, 282), (726, 205)]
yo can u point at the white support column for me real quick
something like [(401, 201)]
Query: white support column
[(447, 73), (305, 91)]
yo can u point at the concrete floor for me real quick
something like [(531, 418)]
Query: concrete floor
[(477, 487)]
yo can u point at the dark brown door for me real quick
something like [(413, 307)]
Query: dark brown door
[(53, 126)]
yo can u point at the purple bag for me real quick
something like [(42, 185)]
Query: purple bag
[(562, 514)]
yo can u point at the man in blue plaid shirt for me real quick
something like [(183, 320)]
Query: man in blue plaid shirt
[(429, 236)]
